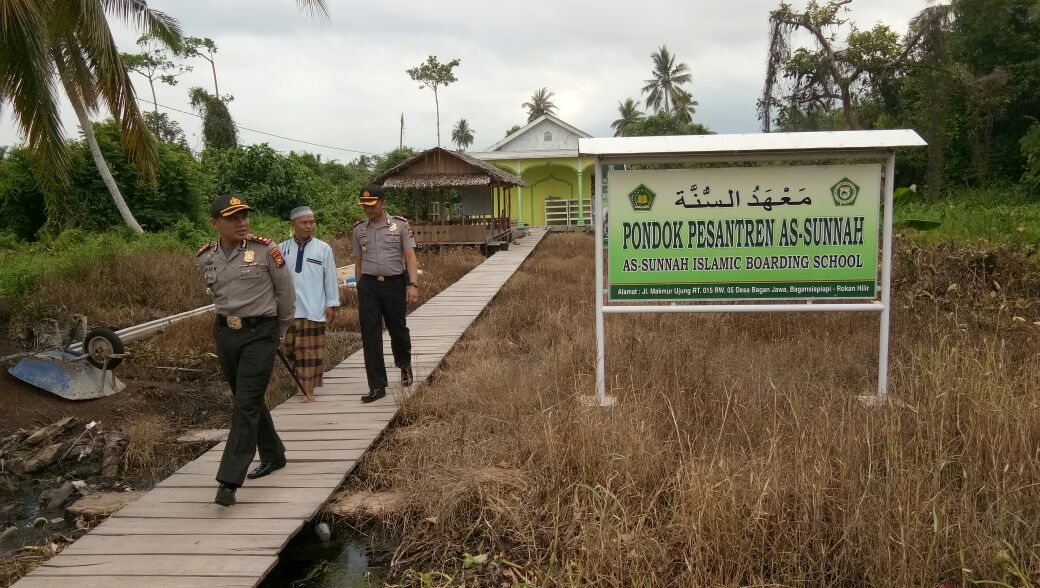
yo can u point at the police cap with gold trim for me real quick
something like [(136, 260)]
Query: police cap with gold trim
[(227, 205), (371, 195)]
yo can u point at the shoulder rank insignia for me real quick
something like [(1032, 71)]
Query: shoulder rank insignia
[(259, 239), (203, 249), (359, 222), (276, 255), (400, 218)]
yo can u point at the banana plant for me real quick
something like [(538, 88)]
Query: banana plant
[(900, 199)]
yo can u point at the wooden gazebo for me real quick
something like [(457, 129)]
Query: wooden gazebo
[(481, 215)]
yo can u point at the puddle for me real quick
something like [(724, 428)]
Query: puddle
[(348, 559), (21, 508)]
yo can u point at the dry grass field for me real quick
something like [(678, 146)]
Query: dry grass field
[(738, 454)]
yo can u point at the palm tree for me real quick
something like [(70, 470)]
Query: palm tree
[(47, 44), (630, 115), (685, 107), (667, 79), (462, 135), (540, 104)]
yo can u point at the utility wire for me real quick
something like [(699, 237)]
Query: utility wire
[(144, 101)]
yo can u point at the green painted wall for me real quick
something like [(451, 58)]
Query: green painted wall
[(547, 177)]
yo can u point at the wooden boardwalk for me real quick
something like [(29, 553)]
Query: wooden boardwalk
[(174, 536)]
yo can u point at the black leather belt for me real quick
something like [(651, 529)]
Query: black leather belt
[(385, 278), (238, 322)]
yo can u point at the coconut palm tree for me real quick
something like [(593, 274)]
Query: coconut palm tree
[(462, 134), (50, 44), (541, 103), (684, 107), (630, 115), (46, 45), (666, 81)]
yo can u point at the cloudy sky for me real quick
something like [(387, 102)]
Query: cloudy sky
[(342, 83)]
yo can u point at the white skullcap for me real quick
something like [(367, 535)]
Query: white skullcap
[(300, 211)]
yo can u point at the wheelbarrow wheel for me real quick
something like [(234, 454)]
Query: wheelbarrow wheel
[(101, 344)]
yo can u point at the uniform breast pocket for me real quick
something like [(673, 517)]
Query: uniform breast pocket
[(251, 272)]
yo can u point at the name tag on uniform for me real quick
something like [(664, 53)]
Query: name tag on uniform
[(314, 261), (250, 272)]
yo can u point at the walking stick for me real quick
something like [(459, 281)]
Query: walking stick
[(292, 373)]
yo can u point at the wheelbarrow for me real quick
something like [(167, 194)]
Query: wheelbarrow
[(61, 369)]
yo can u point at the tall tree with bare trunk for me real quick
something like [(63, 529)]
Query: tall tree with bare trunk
[(433, 74), (832, 75)]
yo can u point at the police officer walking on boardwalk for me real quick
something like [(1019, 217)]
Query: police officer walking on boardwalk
[(386, 270), (254, 298)]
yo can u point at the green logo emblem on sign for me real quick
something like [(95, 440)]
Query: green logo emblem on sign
[(642, 198), (844, 192)]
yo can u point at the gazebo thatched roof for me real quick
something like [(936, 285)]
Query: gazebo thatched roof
[(442, 168)]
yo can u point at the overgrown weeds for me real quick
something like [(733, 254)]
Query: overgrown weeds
[(151, 446), (997, 214), (738, 454)]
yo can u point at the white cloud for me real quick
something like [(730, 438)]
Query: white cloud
[(343, 82)]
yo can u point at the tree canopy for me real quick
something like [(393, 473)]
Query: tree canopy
[(540, 104)]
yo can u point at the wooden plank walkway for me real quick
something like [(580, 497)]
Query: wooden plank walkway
[(174, 536)]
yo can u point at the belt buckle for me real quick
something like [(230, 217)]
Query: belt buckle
[(380, 278), (234, 322)]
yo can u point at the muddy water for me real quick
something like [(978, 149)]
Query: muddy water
[(21, 509), (347, 560)]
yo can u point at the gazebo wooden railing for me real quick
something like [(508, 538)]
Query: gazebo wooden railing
[(486, 195), (460, 231)]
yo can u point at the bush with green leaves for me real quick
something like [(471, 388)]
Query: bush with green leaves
[(266, 179), (275, 183), (1031, 153), (333, 190), (664, 123), (29, 206), (21, 212)]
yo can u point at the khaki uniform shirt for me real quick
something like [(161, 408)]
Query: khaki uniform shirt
[(381, 245), (251, 281)]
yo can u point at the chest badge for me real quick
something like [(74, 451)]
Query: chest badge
[(249, 256), (393, 227)]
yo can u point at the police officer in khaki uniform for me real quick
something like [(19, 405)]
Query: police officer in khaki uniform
[(254, 299), (386, 271)]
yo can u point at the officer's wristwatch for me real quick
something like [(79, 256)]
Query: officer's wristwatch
[(416, 284)]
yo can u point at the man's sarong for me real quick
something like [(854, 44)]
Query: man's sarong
[(304, 347)]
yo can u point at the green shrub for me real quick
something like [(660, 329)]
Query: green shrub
[(1001, 214), (21, 203), (265, 178), (1031, 152), (180, 191)]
